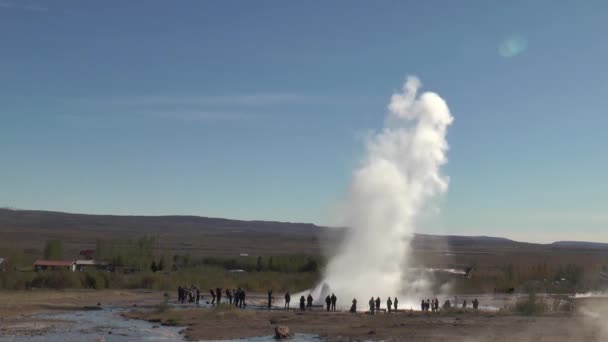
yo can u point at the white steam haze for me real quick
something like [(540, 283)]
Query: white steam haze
[(399, 175)]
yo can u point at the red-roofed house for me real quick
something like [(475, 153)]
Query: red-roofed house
[(41, 265)]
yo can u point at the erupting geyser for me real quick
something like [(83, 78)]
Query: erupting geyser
[(398, 176)]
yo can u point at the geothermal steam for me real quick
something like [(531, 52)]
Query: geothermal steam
[(399, 175)]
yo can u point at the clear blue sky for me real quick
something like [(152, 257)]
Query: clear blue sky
[(255, 109)]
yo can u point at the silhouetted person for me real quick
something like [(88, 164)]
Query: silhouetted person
[(212, 296), (237, 297), (475, 304), (229, 296), (243, 303), (422, 305), (198, 295), (287, 300), (395, 303), (378, 304), (389, 304), (372, 306), (179, 294), (464, 304), (328, 302), (334, 299), (353, 308), (309, 302), (302, 303), (269, 299), (218, 293)]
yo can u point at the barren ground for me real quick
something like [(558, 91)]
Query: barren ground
[(209, 324), (17, 308)]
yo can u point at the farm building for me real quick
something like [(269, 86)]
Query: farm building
[(82, 265), (41, 265)]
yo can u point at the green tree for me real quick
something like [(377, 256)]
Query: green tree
[(53, 250)]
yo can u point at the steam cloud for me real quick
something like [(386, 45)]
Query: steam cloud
[(399, 175)]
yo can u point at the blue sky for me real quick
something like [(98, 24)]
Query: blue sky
[(255, 110)]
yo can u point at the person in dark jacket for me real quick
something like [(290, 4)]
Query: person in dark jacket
[(302, 303), (334, 299), (287, 300), (328, 302), (353, 308), (212, 296), (229, 295), (269, 299), (309, 302), (218, 293)]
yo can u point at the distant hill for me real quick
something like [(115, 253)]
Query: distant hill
[(219, 236), (580, 244), (37, 219)]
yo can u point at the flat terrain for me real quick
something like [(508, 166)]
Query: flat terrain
[(19, 304), (205, 324), (18, 308), (18, 317)]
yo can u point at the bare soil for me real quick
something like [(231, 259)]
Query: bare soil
[(213, 324)]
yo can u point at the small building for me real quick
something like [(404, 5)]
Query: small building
[(82, 265), (42, 265)]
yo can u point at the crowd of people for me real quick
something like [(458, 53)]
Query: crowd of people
[(374, 305), (190, 295), (448, 305), (237, 297), (193, 295), (430, 304)]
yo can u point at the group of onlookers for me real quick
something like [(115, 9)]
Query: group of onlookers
[(193, 295), (237, 297)]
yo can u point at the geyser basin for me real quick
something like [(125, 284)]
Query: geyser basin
[(397, 178)]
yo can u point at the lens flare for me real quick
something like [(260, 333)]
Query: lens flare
[(512, 46)]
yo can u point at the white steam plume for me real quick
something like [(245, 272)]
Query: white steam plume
[(399, 175)]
